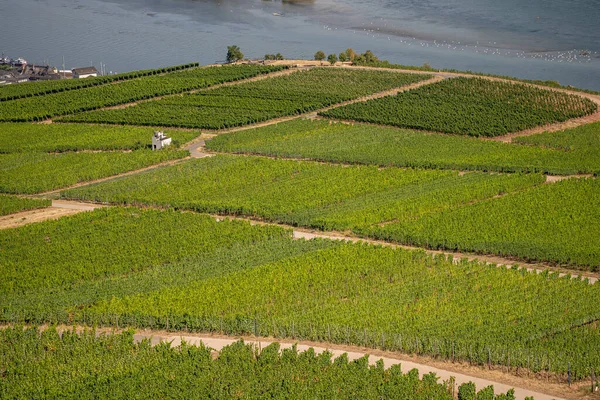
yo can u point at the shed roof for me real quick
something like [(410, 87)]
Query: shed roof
[(85, 70)]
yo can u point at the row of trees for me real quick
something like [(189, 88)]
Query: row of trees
[(348, 55), (235, 54)]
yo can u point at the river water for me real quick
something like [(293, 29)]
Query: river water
[(536, 39)]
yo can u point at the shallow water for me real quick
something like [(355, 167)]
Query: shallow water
[(550, 39)]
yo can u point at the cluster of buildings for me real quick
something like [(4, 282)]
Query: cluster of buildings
[(18, 70)]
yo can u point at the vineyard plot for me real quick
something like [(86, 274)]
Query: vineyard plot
[(27, 137), (35, 172), (252, 102), (469, 106), (299, 193), (432, 208), (558, 223), (90, 98), (234, 278), (577, 150), (13, 204)]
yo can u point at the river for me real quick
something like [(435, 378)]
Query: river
[(538, 39)]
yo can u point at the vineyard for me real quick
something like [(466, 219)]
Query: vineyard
[(516, 225), (386, 146), (584, 138), (39, 172), (114, 367), (24, 137), (305, 194), (12, 92), (13, 204), (430, 208), (90, 98), (469, 106), (232, 278), (252, 102)]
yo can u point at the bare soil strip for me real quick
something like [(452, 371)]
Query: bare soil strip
[(29, 217), (524, 383), (58, 210)]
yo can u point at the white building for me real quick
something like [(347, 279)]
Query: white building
[(159, 140), (85, 72)]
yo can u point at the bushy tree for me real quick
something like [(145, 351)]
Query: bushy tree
[(234, 54), (319, 56), (278, 56), (332, 58), (350, 54), (342, 57)]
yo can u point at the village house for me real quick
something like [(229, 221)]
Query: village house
[(84, 72)]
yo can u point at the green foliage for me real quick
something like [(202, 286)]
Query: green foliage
[(25, 137), (252, 102), (469, 106), (556, 223), (467, 391), (71, 365), (343, 57), (306, 194), (112, 242), (319, 55), (582, 139), (332, 58), (237, 279), (13, 204), (234, 54), (350, 54), (40, 172), (387, 146), (277, 56), (91, 98), (30, 89)]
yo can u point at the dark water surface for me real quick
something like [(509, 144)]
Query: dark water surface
[(536, 39)]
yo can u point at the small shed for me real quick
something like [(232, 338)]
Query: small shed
[(159, 140), (84, 72)]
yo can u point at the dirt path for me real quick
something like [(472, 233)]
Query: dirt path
[(463, 373), (58, 210), (85, 183), (539, 391)]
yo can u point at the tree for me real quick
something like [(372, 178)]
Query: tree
[(342, 57), (332, 58), (234, 54), (350, 54), (269, 56), (370, 57), (278, 56), (319, 56)]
